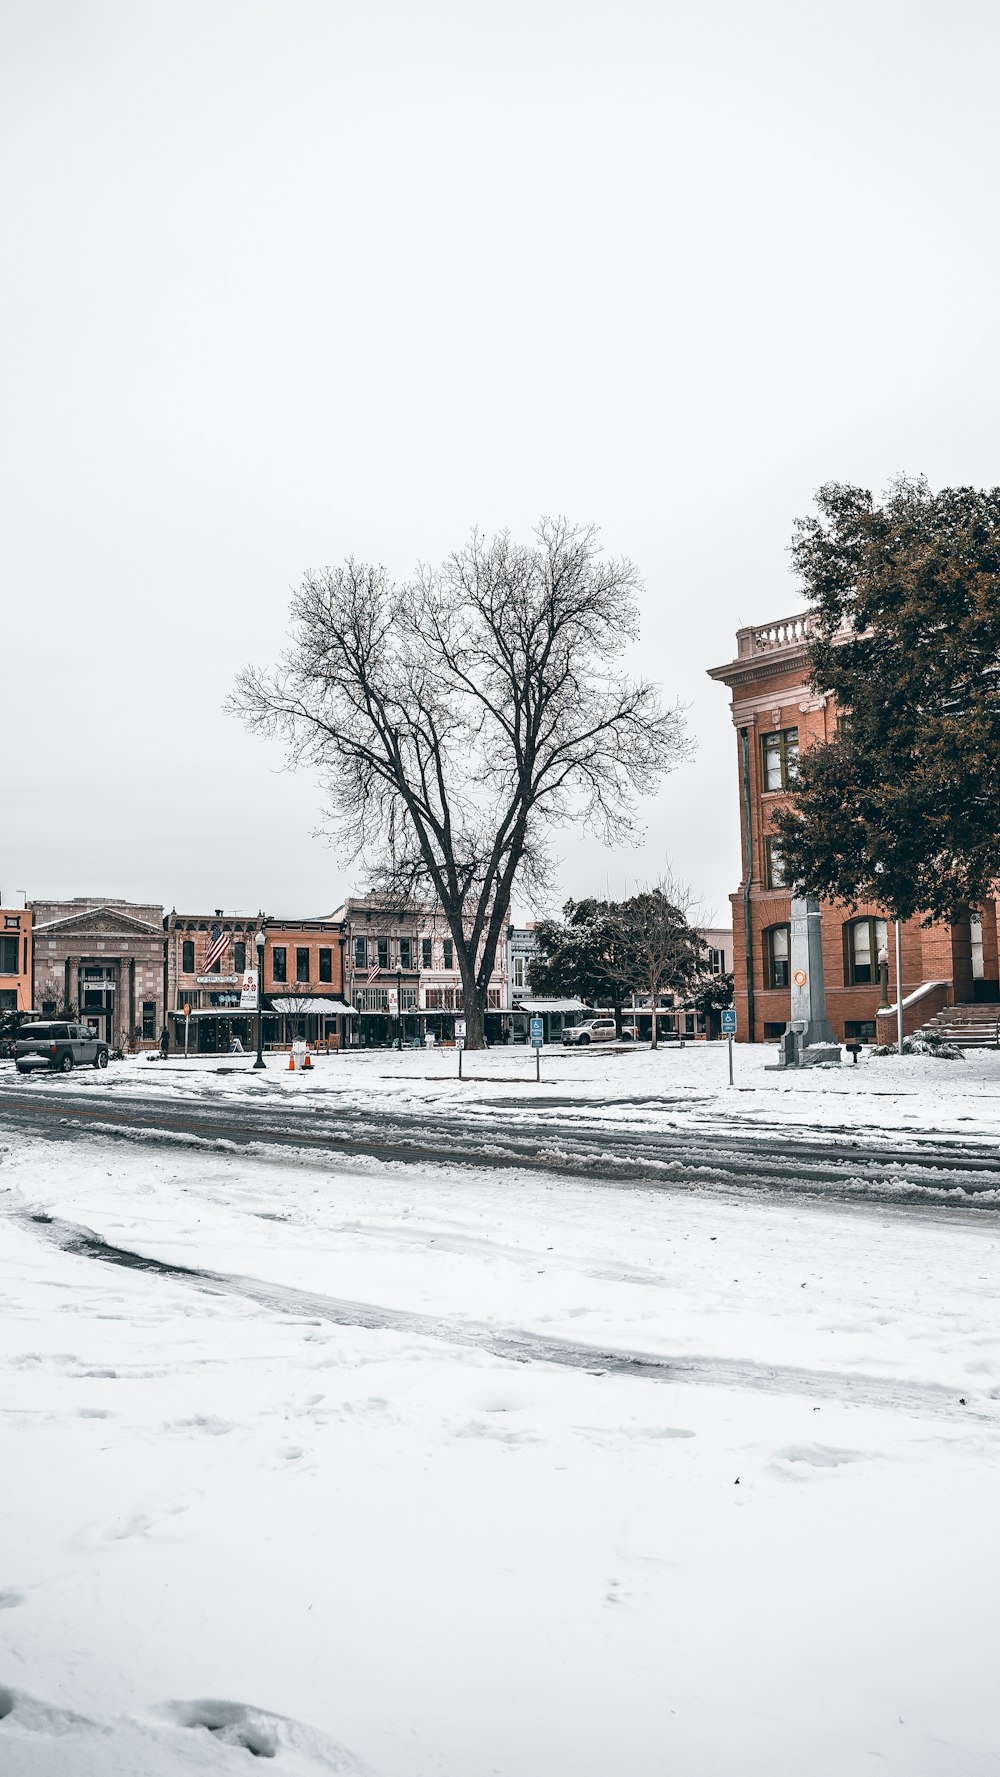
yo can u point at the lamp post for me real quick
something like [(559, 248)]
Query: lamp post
[(399, 1006), (883, 976), (260, 941)]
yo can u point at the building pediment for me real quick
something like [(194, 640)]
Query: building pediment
[(109, 922)]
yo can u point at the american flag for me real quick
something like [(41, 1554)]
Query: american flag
[(372, 970), (219, 941)]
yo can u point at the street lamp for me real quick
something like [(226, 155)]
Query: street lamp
[(399, 1006), (883, 975), (260, 941)]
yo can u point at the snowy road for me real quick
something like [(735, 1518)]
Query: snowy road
[(654, 1138)]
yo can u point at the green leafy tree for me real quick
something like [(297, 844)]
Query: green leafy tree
[(606, 951), (901, 808), (582, 955)]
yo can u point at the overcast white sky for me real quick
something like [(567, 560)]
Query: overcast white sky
[(290, 280)]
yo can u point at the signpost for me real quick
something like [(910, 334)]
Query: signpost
[(537, 1039), (460, 1041), (729, 1031)]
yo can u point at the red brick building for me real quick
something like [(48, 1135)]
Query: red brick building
[(302, 985), (777, 715)]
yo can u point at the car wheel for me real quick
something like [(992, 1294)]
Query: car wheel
[(583, 1040), (66, 1064), (20, 1069), (101, 1059)]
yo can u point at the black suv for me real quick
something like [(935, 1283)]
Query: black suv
[(59, 1047)]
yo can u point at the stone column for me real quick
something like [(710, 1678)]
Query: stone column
[(809, 1025)]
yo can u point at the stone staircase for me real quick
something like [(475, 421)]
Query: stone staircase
[(968, 1027)]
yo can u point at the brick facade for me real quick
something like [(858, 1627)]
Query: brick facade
[(771, 701), (16, 959)]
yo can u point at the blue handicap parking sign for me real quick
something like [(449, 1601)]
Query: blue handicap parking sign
[(537, 1038), (729, 1021)]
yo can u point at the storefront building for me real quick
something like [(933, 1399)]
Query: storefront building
[(777, 715), (211, 1003), (101, 961), (15, 959), (401, 975)]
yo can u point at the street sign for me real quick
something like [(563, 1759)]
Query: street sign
[(729, 1021), (460, 1043), (537, 1033)]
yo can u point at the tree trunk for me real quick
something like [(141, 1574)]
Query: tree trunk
[(475, 1035)]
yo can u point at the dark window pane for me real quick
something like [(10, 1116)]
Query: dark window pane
[(239, 956), (301, 965), (406, 953), (360, 953), (148, 1019), (8, 956), (383, 953), (278, 963), (449, 954), (425, 952), (326, 965), (187, 956)]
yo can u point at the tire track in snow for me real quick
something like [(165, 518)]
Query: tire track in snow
[(518, 1345)]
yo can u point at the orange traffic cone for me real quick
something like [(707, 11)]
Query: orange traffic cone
[(306, 1060), (291, 1061)]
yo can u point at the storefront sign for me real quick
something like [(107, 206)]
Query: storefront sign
[(217, 980)]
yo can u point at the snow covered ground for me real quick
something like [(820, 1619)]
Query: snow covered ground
[(617, 1086), (373, 1487)]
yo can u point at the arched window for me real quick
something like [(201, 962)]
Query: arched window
[(777, 954), (863, 940)]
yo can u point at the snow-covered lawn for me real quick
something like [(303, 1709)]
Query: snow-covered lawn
[(302, 1506), (618, 1086)]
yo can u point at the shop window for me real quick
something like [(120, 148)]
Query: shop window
[(777, 951), (8, 956), (774, 864), (326, 965), (279, 963), (383, 952), (406, 953), (187, 957), (449, 954), (302, 965), (425, 953), (863, 940), (239, 956), (8, 999), (148, 1021), (780, 758), (360, 952)]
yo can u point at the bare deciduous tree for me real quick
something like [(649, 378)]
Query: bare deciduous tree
[(665, 952), (456, 719)]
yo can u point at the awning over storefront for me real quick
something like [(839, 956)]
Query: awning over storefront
[(537, 1005), (298, 1006)]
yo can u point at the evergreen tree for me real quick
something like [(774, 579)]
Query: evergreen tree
[(901, 807)]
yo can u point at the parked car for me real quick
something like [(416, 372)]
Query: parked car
[(595, 1030), (630, 1033), (59, 1047)]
